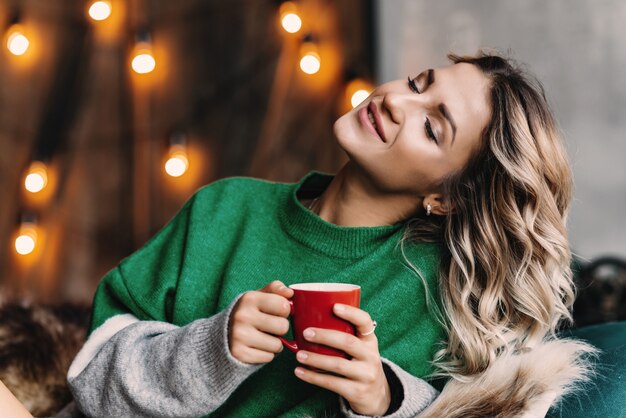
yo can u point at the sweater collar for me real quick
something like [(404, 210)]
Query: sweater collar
[(325, 237)]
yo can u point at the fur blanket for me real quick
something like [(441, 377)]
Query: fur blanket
[(37, 345), (518, 385)]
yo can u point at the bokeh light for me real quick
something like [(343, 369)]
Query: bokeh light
[(143, 62), (17, 42), (27, 240), (36, 178), (356, 91), (291, 22), (289, 17), (177, 163), (358, 97), (100, 10), (310, 63)]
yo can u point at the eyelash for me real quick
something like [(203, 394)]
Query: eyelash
[(429, 131), (412, 85), (427, 126)]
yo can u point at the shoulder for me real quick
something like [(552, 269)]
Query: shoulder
[(239, 185), (425, 257), (244, 193), (238, 189), (428, 252)]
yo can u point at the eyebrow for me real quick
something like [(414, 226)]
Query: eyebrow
[(442, 107)]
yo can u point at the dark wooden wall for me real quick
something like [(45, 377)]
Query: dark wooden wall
[(226, 74)]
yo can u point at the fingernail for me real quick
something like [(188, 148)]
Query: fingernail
[(308, 333), (339, 307), (302, 356), (283, 287), (299, 372)]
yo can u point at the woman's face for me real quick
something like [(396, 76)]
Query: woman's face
[(423, 130)]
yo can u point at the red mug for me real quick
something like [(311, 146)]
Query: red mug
[(312, 306)]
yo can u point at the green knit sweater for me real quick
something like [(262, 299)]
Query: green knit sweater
[(239, 234)]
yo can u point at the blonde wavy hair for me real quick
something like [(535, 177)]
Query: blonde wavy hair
[(505, 280)]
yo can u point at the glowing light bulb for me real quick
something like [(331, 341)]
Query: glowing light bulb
[(24, 244), (358, 97), (100, 10), (310, 63), (357, 90), (289, 18), (291, 22), (27, 240), (176, 166), (17, 42), (35, 182), (37, 177), (143, 62), (177, 163)]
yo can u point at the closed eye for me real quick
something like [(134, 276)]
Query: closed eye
[(429, 131), (412, 85), (427, 126)]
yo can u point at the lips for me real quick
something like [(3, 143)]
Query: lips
[(370, 118)]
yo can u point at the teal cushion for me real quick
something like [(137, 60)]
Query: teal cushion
[(604, 336), (605, 395)]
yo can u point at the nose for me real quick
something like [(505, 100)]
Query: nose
[(400, 104)]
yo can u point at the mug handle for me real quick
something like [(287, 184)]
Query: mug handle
[(291, 345)]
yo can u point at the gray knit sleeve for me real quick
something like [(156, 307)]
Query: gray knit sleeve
[(416, 394), (155, 369)]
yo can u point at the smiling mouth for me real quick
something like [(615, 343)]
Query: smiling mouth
[(370, 115)]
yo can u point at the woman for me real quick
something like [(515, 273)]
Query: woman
[(450, 214)]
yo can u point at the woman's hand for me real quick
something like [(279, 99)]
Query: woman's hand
[(256, 320), (361, 380)]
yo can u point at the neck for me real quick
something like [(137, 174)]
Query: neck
[(351, 200)]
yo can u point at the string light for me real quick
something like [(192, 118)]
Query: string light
[(358, 97), (100, 10), (177, 162), (36, 177), (26, 240), (17, 42), (358, 90), (310, 62), (289, 18), (143, 61)]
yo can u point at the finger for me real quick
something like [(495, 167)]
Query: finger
[(248, 336), (271, 324), (252, 355), (359, 318), (279, 288), (270, 303), (353, 346), (333, 364), (265, 342), (339, 385)]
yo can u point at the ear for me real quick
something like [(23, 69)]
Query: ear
[(438, 204)]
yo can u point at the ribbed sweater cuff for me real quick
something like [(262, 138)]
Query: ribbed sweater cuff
[(417, 394), (211, 343)]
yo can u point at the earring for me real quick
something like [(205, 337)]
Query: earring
[(428, 209)]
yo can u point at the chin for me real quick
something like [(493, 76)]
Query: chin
[(346, 133), (351, 141)]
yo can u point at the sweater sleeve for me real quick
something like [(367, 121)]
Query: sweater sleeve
[(137, 360), (410, 395), (152, 368)]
